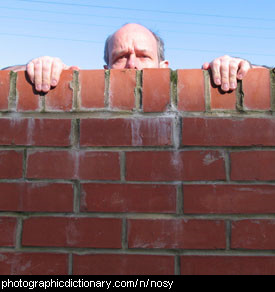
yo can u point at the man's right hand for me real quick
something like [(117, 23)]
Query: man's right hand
[(44, 72)]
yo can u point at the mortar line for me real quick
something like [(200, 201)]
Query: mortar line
[(207, 91), (70, 264), (272, 89), (177, 265), (107, 89)]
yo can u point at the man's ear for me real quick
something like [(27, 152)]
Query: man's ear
[(164, 64)]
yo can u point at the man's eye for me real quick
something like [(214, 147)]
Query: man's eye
[(144, 57)]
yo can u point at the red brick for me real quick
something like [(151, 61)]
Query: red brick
[(176, 233), (123, 264), (28, 97), (4, 89), (191, 90), (126, 132), (73, 165), (174, 166), (72, 232), (60, 98), (49, 132), (128, 198), (99, 166), (228, 132), (13, 131), (92, 84), (36, 197), (256, 88), (253, 234), (221, 99), (122, 89), (36, 132), (156, 90), (51, 164), (33, 264), (253, 165), (228, 265), (229, 199), (11, 164), (7, 231)]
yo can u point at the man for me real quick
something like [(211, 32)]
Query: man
[(133, 47)]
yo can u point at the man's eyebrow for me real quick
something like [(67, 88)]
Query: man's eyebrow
[(145, 51)]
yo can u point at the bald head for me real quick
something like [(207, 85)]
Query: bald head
[(134, 46)]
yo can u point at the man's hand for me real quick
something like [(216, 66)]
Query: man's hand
[(226, 71), (44, 72)]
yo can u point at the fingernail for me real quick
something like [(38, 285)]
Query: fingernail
[(232, 85), (54, 83), (45, 87), (225, 86), (240, 76), (218, 81), (38, 87)]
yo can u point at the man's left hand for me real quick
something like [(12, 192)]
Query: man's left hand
[(226, 71)]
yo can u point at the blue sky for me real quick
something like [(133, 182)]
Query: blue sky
[(194, 31)]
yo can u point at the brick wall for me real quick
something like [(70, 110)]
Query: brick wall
[(137, 172)]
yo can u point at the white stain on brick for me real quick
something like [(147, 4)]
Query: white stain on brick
[(210, 158), (136, 136), (31, 125)]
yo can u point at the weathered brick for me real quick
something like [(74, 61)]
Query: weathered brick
[(99, 166), (4, 89), (228, 131), (72, 232), (33, 264), (176, 233), (92, 85), (35, 132), (7, 231), (73, 165), (28, 97), (156, 90), (191, 90), (227, 265), (253, 234), (123, 264), (36, 197), (122, 89), (52, 164), (60, 98), (221, 100), (128, 198), (229, 199), (253, 165), (175, 166), (256, 89), (126, 132), (11, 164)]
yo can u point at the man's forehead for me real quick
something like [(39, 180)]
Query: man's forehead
[(133, 35)]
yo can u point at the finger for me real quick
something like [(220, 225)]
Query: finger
[(225, 74), (216, 74), (57, 67), (206, 66), (244, 67), (74, 68), (46, 74), (233, 69), (30, 71), (38, 74)]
